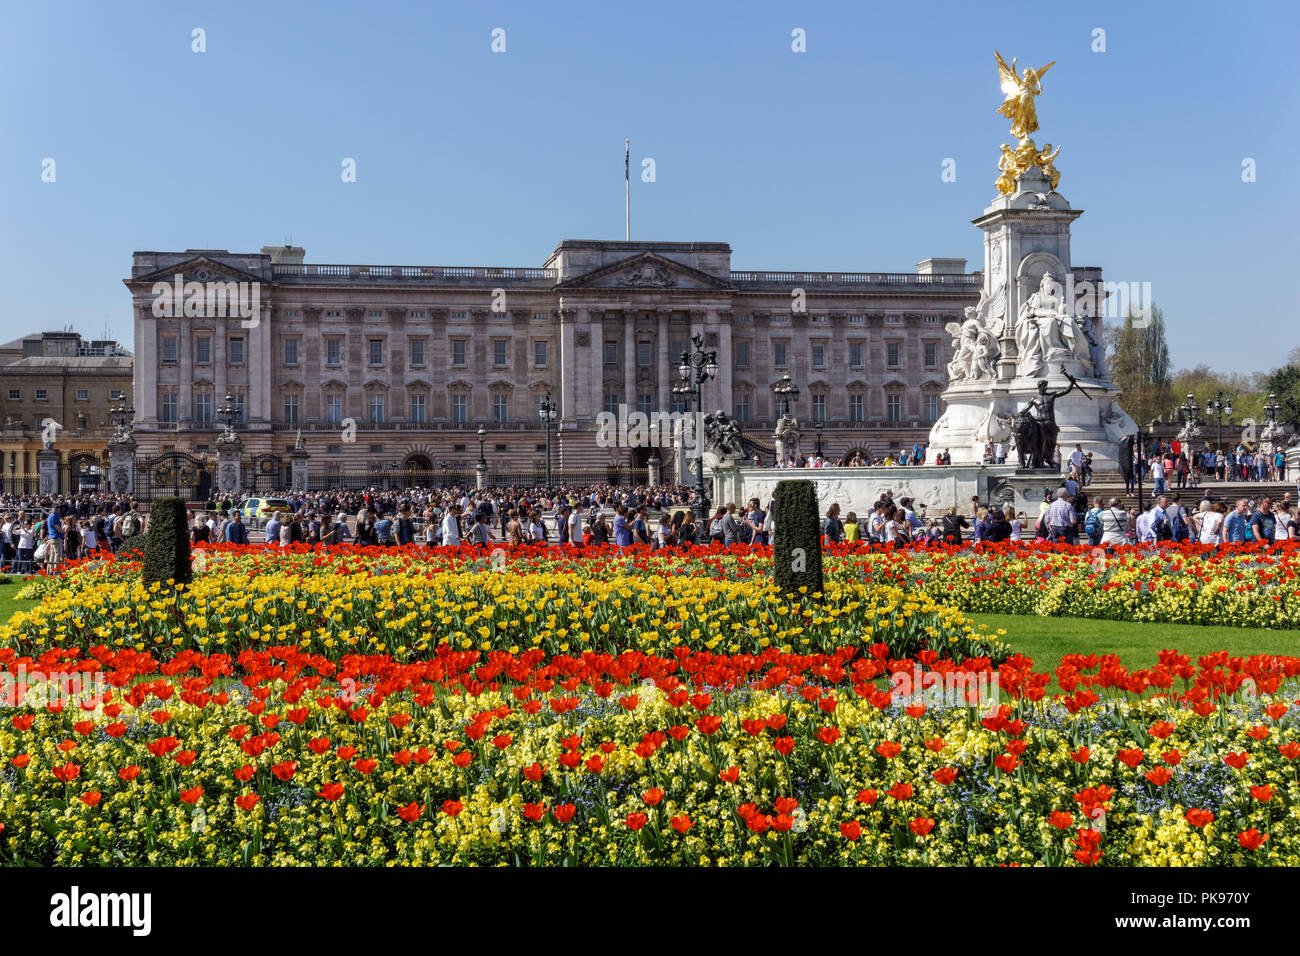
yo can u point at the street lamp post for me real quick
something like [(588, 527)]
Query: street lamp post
[(547, 412), (482, 437), (444, 474), (1220, 407), (818, 426), (695, 369), (1272, 407), (227, 412), (786, 392)]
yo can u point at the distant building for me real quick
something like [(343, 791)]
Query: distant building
[(71, 380), (419, 357)]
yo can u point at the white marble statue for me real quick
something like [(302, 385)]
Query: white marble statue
[(1047, 332)]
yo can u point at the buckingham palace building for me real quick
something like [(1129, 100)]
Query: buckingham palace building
[(398, 368)]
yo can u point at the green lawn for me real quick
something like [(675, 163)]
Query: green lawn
[(1045, 639), (8, 605)]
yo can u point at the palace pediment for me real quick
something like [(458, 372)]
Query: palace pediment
[(198, 269), (646, 271)]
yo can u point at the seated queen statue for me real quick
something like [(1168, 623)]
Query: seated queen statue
[(1047, 332)]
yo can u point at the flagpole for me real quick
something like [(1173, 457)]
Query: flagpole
[(627, 185)]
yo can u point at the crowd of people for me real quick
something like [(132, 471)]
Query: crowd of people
[(1166, 465), (40, 532)]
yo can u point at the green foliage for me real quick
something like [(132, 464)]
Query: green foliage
[(1285, 383), (797, 544), (167, 548), (1139, 360)]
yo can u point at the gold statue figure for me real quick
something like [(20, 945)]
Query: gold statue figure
[(1044, 162), (1020, 92)]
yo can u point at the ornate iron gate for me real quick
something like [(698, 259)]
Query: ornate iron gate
[(174, 474)]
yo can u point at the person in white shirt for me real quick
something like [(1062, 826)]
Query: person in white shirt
[(1077, 459), (1017, 524), (1114, 524), (1211, 525), (575, 528), (451, 527)]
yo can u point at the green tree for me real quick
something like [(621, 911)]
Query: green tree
[(167, 543), (797, 543), (1140, 365), (1285, 384)]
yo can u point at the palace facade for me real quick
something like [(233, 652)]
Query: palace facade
[(398, 367)]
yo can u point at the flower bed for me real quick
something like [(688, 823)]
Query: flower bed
[(690, 758)]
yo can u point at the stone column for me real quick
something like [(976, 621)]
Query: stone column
[(596, 386), (47, 471), (567, 359), (726, 363), (665, 373), (480, 475), (229, 453), (146, 365), (185, 363), (629, 359), (298, 458), (655, 467), (121, 466)]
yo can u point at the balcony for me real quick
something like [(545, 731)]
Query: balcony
[(852, 280)]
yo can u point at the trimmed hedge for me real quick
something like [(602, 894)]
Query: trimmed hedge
[(167, 544), (797, 543)]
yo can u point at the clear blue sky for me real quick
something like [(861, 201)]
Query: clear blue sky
[(825, 160)]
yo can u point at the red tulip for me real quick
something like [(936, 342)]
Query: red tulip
[(90, 798), (889, 749), (730, 775), (1006, 762), (652, 796), (411, 812), (502, 741), (900, 791), (945, 775), (635, 821), (681, 823), (1251, 839), (851, 831), (463, 759), (828, 735), (867, 797), (366, 765), (921, 826), (1131, 757), (1174, 757), (1290, 751), (67, 773), (783, 745), (1081, 755), (129, 773), (247, 801), (318, 745), (244, 773), (1159, 776), (563, 812), (629, 702), (452, 807), (1236, 760), (1262, 793), (1161, 729), (785, 804), (534, 811), (284, 770), (534, 772), (331, 791), (1200, 818), (192, 795), (21, 761), (1060, 819)]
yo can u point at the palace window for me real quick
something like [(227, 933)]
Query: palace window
[(169, 408), (643, 354), (290, 351), (237, 351), (115, 395), (855, 355), (819, 408), (501, 408), (169, 348), (333, 449), (83, 394), (855, 408), (611, 403), (42, 394), (417, 409), (611, 352), (742, 408), (334, 409), (819, 356), (932, 408), (894, 408), (742, 355), (376, 409), (458, 352), (499, 353), (333, 351), (778, 354), (893, 320), (237, 403), (203, 408), (931, 354), (417, 351), (291, 409), (892, 351), (857, 319), (645, 403), (459, 409), (417, 315), (374, 315), (15, 394), (376, 351), (203, 350), (541, 316)]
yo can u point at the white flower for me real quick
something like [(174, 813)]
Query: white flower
[(800, 820), (500, 821)]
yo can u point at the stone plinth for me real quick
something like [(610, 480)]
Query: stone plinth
[(47, 471), (121, 466), (229, 453)]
